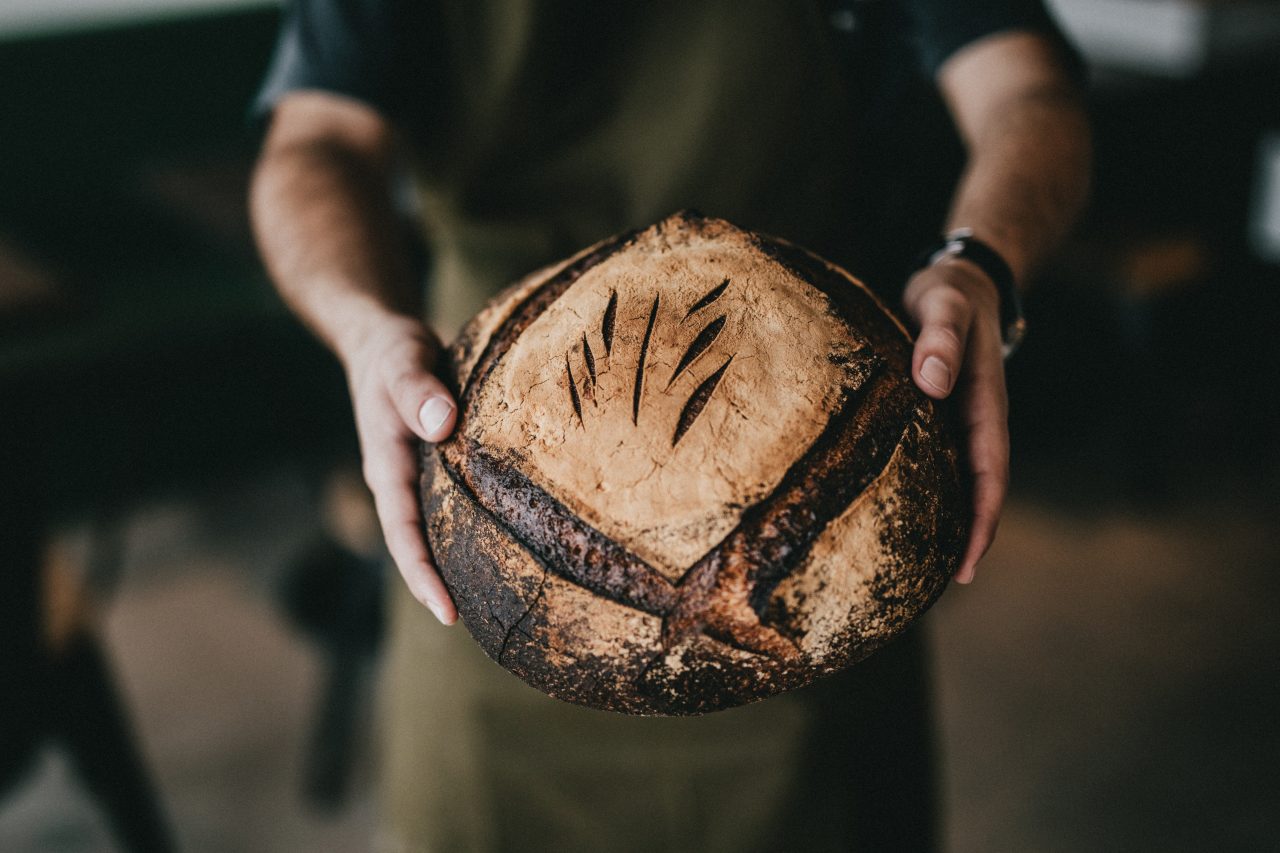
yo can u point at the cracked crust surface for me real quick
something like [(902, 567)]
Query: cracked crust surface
[(691, 472)]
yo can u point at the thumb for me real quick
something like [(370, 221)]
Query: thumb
[(425, 405), (945, 317)]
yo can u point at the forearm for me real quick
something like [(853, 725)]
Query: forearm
[(1026, 179), (1027, 137), (1024, 183), (327, 229), (328, 233)]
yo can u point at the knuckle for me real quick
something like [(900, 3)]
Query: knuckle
[(405, 349), (946, 334), (407, 382), (946, 301)]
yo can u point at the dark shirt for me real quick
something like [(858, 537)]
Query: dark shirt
[(539, 128), (385, 52)]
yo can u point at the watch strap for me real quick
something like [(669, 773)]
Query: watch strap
[(962, 244)]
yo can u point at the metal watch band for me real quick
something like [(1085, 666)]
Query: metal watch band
[(962, 244)]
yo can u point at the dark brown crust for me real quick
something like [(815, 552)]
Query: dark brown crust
[(561, 541), (726, 596), (774, 536)]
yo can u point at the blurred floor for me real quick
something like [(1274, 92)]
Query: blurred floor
[(221, 689), (1110, 683)]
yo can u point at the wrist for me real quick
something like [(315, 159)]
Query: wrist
[(959, 249), (362, 325)]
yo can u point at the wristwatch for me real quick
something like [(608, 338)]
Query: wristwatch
[(961, 243)]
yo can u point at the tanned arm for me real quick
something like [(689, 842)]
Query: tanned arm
[(1023, 186), (323, 216)]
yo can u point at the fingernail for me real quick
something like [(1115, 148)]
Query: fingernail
[(434, 413), (936, 373)]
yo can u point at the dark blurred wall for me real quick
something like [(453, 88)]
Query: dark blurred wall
[(156, 355)]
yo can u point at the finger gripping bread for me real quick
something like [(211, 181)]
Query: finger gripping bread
[(691, 471)]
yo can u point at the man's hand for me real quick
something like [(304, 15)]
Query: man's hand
[(1027, 174), (398, 401), (957, 311), (323, 215)]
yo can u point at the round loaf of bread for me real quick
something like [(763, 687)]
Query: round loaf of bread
[(691, 471)]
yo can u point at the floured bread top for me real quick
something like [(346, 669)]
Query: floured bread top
[(691, 471), (668, 388)]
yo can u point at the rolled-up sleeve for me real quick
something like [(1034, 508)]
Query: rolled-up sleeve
[(346, 47), (943, 27)]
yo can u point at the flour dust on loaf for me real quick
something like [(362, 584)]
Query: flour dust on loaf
[(691, 471)]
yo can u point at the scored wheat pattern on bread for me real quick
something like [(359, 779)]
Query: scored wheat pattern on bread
[(701, 342)]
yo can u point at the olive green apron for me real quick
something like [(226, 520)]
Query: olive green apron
[(565, 123)]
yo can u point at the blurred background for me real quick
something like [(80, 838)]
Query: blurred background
[(175, 458)]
